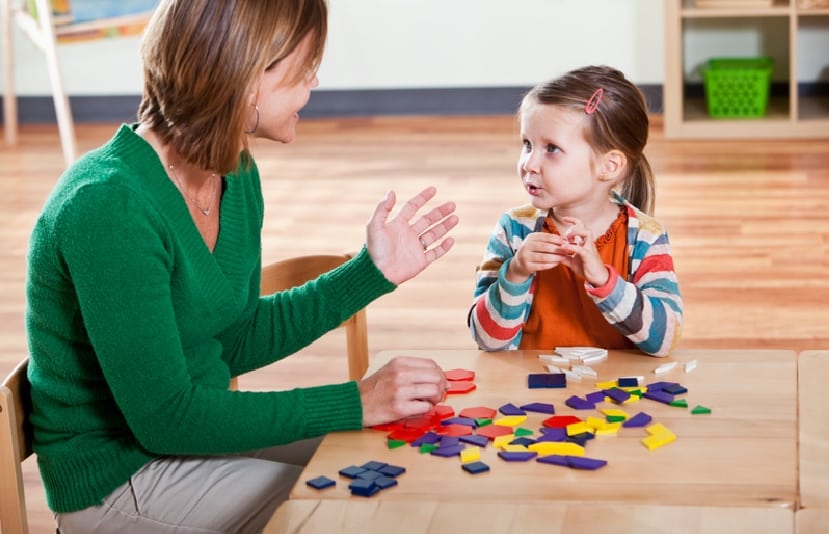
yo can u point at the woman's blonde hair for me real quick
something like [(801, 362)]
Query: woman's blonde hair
[(202, 58), (619, 121)]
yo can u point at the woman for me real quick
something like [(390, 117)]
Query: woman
[(143, 289)]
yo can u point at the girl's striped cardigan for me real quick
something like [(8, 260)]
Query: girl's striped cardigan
[(644, 305)]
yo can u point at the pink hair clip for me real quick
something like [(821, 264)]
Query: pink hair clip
[(593, 103)]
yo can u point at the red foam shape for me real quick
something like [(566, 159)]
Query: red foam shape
[(454, 430), (460, 386), (493, 431), (560, 421), (444, 411), (478, 412), (406, 434), (459, 374)]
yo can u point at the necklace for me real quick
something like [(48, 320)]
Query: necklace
[(205, 211)]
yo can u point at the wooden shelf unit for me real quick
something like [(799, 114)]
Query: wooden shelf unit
[(793, 116)]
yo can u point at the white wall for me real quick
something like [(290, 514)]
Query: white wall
[(383, 44)]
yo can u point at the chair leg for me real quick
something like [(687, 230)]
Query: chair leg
[(9, 96), (63, 113)]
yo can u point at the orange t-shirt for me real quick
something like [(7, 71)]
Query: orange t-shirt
[(562, 313)]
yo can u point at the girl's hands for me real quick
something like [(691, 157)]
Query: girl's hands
[(404, 387), (576, 250), (401, 249)]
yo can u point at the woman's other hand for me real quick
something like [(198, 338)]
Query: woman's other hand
[(401, 249)]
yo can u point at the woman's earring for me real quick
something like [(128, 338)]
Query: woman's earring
[(255, 126)]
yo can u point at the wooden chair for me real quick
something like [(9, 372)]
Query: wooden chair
[(15, 446), (291, 272)]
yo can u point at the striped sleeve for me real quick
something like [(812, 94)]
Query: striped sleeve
[(648, 308), (500, 308)]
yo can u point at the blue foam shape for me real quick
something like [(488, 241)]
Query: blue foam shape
[(373, 465), (364, 488), (385, 482), (393, 470), (351, 471), (582, 462), (321, 482), (370, 474), (517, 456), (546, 380), (475, 467), (675, 389)]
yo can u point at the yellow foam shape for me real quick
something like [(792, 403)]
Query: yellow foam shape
[(510, 420), (564, 448), (658, 440), (502, 441), (614, 411), (514, 448), (595, 422), (578, 428), (657, 429), (606, 385), (472, 454), (610, 429)]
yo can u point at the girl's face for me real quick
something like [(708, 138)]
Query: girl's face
[(557, 165), (280, 98)]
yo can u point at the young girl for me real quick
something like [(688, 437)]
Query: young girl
[(585, 263)]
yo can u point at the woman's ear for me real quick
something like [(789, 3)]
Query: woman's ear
[(613, 165)]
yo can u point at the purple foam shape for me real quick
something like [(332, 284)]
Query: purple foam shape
[(511, 409), (480, 441), (657, 386), (449, 441), (675, 389), (523, 440), (539, 407), (554, 459), (552, 434), (428, 437), (582, 462), (639, 420), (446, 452), (595, 397), (546, 380), (466, 421), (577, 403), (517, 456), (618, 395), (659, 396)]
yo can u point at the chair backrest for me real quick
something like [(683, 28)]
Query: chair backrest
[(292, 272), (15, 446)]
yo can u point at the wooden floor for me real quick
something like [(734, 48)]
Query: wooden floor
[(748, 222)]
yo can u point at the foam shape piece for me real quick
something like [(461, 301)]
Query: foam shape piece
[(577, 403), (554, 369), (493, 431), (475, 467), (428, 437), (392, 471), (700, 409), (447, 452), (628, 382), (664, 368), (582, 462), (554, 359), (658, 396), (565, 448), (370, 474), (456, 430), (511, 409), (363, 488), (690, 366), (480, 441), (374, 465), (467, 421), (554, 459), (656, 441), (351, 471), (479, 412), (546, 380), (595, 397), (675, 389), (539, 407), (502, 441), (385, 482), (517, 456), (560, 421), (459, 375), (619, 396), (456, 387), (639, 420), (321, 482), (472, 454), (510, 420)]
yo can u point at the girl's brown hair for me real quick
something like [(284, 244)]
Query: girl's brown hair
[(619, 122), (202, 59)]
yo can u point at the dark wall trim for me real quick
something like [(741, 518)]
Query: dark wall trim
[(325, 104)]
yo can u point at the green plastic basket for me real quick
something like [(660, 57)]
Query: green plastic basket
[(737, 87)]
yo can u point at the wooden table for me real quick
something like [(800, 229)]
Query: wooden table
[(742, 454), (807, 520), (813, 384), (365, 516)]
